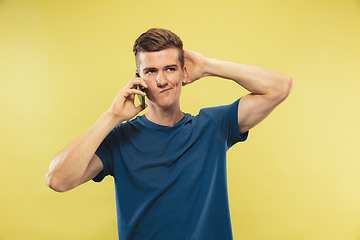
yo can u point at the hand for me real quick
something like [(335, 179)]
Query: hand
[(195, 66), (123, 108)]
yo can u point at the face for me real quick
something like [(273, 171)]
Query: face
[(163, 74)]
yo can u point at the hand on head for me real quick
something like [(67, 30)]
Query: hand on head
[(195, 66)]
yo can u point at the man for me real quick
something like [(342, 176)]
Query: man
[(169, 167)]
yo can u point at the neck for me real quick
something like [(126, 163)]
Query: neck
[(164, 116)]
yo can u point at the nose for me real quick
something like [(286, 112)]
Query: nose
[(161, 80)]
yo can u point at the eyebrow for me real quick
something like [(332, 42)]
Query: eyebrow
[(149, 68), (172, 65)]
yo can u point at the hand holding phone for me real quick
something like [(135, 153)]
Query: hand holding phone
[(141, 98)]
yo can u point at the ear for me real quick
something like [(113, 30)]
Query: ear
[(137, 73), (186, 77)]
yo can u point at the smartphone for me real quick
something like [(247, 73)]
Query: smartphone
[(141, 98)]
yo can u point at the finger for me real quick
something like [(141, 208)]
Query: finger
[(132, 92), (129, 94), (136, 82)]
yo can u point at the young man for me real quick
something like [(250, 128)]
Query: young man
[(169, 167)]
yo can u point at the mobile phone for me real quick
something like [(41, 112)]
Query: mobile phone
[(141, 88)]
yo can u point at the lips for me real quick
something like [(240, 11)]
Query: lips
[(165, 90)]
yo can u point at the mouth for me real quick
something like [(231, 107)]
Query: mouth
[(165, 90)]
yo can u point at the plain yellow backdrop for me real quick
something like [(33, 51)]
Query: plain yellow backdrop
[(297, 176)]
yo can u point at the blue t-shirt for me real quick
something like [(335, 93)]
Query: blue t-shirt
[(171, 182)]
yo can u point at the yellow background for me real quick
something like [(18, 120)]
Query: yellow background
[(63, 62)]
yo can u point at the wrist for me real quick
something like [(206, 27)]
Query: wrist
[(112, 119), (210, 68)]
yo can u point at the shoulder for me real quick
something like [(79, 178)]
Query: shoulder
[(224, 118), (221, 111), (123, 130), (131, 124)]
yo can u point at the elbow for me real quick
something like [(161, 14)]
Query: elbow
[(289, 85), (285, 88), (55, 184)]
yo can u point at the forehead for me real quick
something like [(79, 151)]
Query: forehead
[(160, 59)]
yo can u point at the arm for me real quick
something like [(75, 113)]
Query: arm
[(267, 88), (78, 163)]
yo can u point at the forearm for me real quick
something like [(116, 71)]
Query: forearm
[(256, 80), (68, 166)]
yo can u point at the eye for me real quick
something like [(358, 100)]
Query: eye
[(150, 71), (170, 69)]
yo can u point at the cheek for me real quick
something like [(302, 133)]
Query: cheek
[(179, 91), (176, 80), (178, 88), (152, 89), (149, 91)]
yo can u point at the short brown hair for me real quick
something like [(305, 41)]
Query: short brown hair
[(157, 39)]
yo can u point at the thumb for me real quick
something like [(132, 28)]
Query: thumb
[(140, 109)]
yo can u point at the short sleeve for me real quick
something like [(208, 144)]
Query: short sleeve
[(106, 155), (226, 117)]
